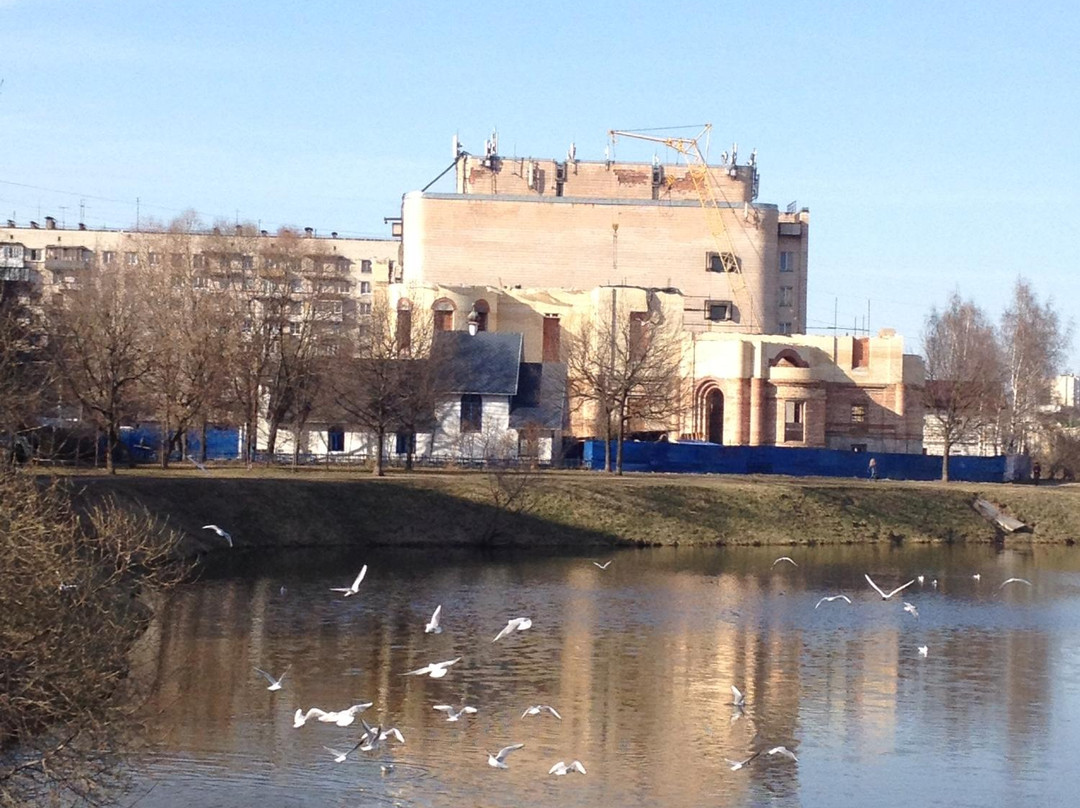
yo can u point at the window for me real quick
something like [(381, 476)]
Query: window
[(108, 257), (335, 439), (296, 285), (787, 296), (198, 261), (717, 310), (154, 259), (363, 309), (176, 260), (860, 352), (365, 287), (365, 266), (785, 328), (405, 443), (403, 330), (794, 417), (131, 258), (247, 262), (482, 309), (858, 413), (472, 413), (721, 262), (787, 261)]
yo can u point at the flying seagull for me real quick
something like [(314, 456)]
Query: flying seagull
[(436, 670), (499, 760), (452, 714), (224, 534), (738, 699), (920, 579), (603, 566), (977, 576), (884, 596), (344, 718), (540, 708), (562, 768), (1015, 581), (787, 559), (375, 736), (339, 757), (910, 607), (275, 683), (301, 718), (831, 598), (782, 750), (923, 650), (776, 750), (352, 590), (512, 625), (433, 626)]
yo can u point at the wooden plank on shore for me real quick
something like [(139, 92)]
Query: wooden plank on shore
[(992, 513)]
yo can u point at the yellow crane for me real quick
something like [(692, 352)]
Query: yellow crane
[(713, 201)]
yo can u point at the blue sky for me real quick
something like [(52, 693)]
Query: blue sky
[(935, 144)]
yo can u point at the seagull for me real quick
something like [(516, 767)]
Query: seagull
[(300, 718), (386, 768), (539, 708), (344, 718), (782, 750), (923, 650), (436, 670), (220, 532), (67, 587), (831, 598), (433, 626), (933, 583), (275, 683), (738, 764), (562, 768), (977, 576), (1015, 581), (352, 590), (452, 714), (785, 558), (339, 757), (738, 699), (877, 588), (512, 625), (920, 579), (603, 566), (776, 750), (910, 607), (499, 760)]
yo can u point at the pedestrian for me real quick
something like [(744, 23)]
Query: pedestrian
[(1036, 471), (873, 468)]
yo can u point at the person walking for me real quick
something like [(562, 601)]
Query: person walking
[(873, 468)]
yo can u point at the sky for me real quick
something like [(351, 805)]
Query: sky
[(934, 144)]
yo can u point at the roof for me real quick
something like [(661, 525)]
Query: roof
[(541, 396), (486, 363)]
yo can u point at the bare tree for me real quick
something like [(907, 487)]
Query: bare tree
[(24, 374), (627, 365), (964, 373), (1035, 340), (66, 700), (387, 385), (99, 342)]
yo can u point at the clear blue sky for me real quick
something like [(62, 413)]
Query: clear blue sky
[(934, 143)]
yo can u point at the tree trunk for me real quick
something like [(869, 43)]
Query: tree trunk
[(622, 432), (202, 442), (110, 445), (607, 441), (945, 460), (380, 437)]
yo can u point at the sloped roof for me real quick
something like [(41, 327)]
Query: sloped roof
[(541, 396), (486, 363)]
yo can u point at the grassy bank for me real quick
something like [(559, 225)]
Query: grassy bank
[(277, 508)]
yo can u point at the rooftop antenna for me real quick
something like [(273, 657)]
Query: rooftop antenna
[(571, 153)]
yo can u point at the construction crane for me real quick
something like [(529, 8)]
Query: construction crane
[(713, 202)]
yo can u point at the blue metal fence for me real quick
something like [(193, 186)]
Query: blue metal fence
[(222, 443), (711, 458)]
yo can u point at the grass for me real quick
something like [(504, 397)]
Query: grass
[(269, 507)]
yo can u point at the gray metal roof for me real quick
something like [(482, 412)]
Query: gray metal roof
[(486, 363), (541, 396)]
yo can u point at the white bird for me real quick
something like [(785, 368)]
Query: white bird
[(452, 714), (785, 558), (499, 760), (512, 625), (977, 576), (540, 708), (738, 764), (920, 579), (831, 598), (220, 532), (603, 566), (877, 588), (436, 670), (339, 757), (301, 718), (782, 750), (373, 737), (352, 590), (275, 683), (562, 768), (776, 750), (1015, 581), (910, 607), (433, 626), (933, 583), (737, 697), (344, 718), (923, 650)]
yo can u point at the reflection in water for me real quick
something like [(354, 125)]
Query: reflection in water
[(639, 660)]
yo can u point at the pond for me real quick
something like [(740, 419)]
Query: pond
[(639, 660)]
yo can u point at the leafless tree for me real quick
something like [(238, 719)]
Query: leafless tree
[(627, 365), (24, 375), (73, 599), (964, 373), (98, 341), (1034, 339), (388, 382)]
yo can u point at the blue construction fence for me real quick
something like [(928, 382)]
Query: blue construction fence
[(711, 458), (143, 443)]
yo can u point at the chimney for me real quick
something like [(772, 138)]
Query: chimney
[(50, 223), (217, 231), (263, 233), (309, 232), (82, 226), (334, 234), (11, 223), (35, 226)]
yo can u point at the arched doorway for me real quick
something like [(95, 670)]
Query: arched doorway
[(714, 416)]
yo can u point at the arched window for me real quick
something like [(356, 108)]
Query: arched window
[(443, 313), (404, 324), (788, 358)]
